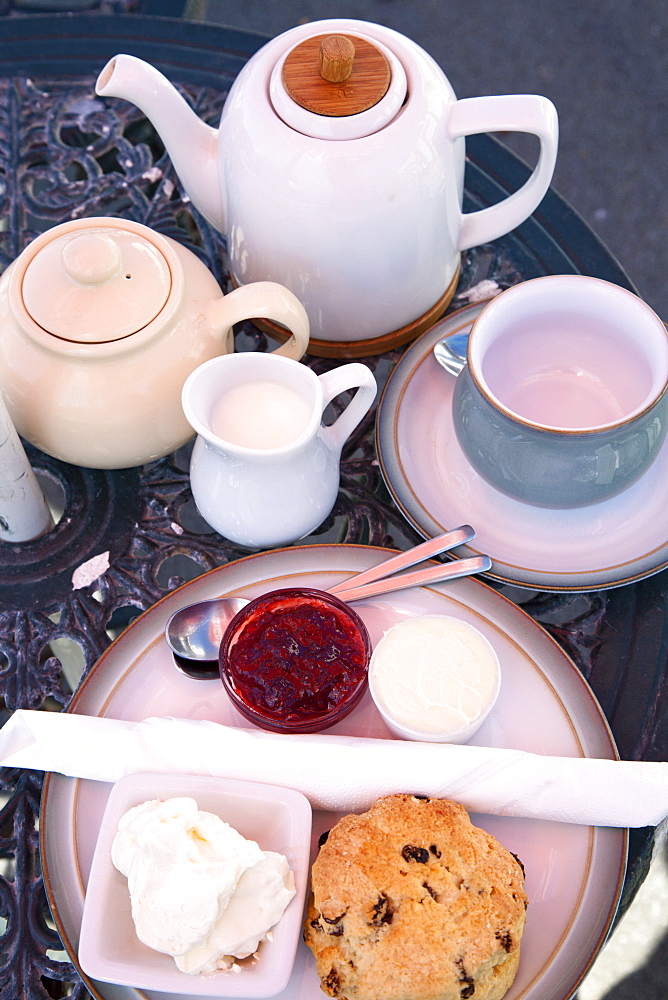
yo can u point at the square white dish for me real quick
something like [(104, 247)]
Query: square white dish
[(279, 819)]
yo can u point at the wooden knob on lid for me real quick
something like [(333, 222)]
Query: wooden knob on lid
[(337, 54), (336, 75)]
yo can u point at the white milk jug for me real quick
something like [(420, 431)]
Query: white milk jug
[(264, 468)]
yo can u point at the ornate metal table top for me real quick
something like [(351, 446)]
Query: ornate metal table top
[(65, 154)]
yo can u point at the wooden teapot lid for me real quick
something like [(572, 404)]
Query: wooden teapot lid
[(336, 75)]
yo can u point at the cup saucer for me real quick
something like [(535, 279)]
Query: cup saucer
[(604, 545)]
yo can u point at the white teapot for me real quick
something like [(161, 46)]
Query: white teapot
[(347, 191), (101, 322)]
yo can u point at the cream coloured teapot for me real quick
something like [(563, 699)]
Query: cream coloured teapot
[(338, 171), (101, 322)]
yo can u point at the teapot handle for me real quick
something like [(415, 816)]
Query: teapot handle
[(264, 300), (352, 376), (518, 113)]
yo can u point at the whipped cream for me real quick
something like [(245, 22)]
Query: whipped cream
[(199, 890), (434, 677)]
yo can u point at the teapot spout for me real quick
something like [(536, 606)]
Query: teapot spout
[(191, 143)]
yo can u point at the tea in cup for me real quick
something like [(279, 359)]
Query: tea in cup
[(562, 399), (264, 468)]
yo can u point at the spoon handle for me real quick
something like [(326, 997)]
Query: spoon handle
[(426, 550), (418, 578)]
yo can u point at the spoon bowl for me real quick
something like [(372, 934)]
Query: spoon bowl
[(195, 632)]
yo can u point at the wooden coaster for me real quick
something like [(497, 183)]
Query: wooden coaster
[(357, 80), (374, 345)]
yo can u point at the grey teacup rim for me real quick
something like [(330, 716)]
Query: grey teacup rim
[(517, 418), (595, 429)]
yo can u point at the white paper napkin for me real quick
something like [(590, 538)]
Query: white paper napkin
[(344, 774)]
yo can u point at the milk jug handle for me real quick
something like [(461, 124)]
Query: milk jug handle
[(338, 380), (264, 300), (516, 113)]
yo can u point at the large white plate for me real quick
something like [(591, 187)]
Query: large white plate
[(590, 548), (574, 873)]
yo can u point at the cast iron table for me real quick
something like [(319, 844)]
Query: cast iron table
[(65, 154)]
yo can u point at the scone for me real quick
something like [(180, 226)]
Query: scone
[(410, 901)]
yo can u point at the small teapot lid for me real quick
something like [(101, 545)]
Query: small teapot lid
[(338, 86), (96, 285)]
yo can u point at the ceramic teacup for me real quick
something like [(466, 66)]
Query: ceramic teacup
[(562, 400), (265, 468)]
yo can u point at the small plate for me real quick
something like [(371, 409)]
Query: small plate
[(278, 819), (574, 873), (605, 545)]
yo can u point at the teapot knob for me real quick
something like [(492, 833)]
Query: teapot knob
[(91, 258), (337, 54)]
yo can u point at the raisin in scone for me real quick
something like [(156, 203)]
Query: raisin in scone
[(410, 901)]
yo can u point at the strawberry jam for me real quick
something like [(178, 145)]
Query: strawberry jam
[(295, 660)]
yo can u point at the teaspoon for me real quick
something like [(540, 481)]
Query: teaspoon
[(194, 633)]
